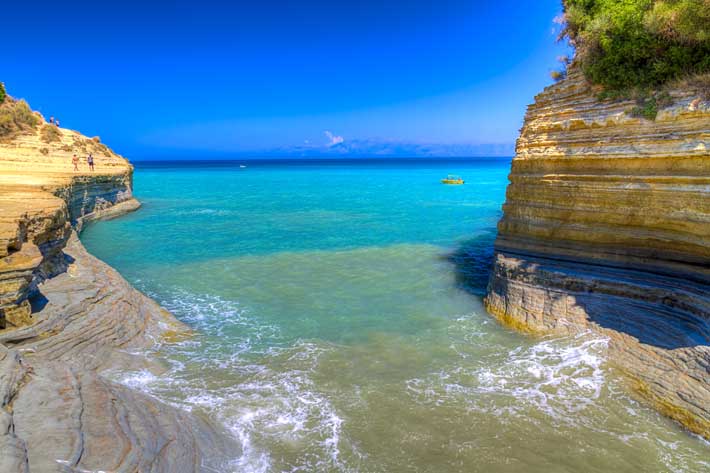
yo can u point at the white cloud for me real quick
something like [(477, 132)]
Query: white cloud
[(333, 139)]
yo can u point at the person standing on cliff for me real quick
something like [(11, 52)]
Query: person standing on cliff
[(90, 161), (75, 162)]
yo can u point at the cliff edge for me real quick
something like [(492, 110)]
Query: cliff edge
[(66, 317), (606, 227)]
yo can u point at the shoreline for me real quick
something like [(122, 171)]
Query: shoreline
[(605, 228), (70, 317), (78, 318), (58, 409)]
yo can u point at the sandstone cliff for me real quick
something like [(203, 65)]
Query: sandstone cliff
[(66, 317), (40, 198), (606, 227)]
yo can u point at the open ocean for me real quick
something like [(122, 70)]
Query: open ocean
[(340, 326)]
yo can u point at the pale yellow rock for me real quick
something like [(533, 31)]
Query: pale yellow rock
[(40, 195), (57, 413), (607, 226)]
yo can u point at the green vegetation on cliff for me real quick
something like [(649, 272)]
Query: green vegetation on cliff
[(15, 115), (638, 44), (50, 134)]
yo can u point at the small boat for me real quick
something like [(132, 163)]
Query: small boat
[(452, 180)]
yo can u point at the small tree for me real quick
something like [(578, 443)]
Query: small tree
[(3, 94), (638, 43), (557, 75)]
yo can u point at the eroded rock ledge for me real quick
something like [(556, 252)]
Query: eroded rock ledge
[(67, 317), (606, 227)]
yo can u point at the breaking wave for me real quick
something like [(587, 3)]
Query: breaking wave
[(558, 377), (268, 402)]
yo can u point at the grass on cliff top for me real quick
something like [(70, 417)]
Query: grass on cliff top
[(626, 45), (16, 116), (50, 133)]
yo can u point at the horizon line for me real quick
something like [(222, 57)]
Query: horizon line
[(314, 158)]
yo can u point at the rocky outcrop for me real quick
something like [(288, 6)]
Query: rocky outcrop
[(67, 318), (60, 414), (41, 196), (606, 227)]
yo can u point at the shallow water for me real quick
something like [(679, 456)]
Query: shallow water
[(340, 325)]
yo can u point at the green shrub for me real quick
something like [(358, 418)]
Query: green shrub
[(557, 75), (647, 109), (50, 133), (24, 116), (625, 44), (684, 21), (3, 93), (16, 116), (7, 124), (647, 105)]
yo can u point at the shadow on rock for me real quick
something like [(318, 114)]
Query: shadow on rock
[(662, 311), (38, 302), (472, 261)]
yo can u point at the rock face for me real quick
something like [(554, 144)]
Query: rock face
[(66, 318), (40, 198), (606, 227)]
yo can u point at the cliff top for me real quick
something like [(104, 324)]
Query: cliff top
[(35, 166), (638, 44), (34, 152), (571, 109)]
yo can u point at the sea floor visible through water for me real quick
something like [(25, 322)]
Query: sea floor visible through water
[(339, 325)]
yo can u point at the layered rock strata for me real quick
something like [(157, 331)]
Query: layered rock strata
[(67, 318), (41, 196), (606, 226)]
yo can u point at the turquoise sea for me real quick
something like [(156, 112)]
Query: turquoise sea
[(339, 325)]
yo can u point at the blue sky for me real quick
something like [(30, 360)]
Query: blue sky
[(217, 78)]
